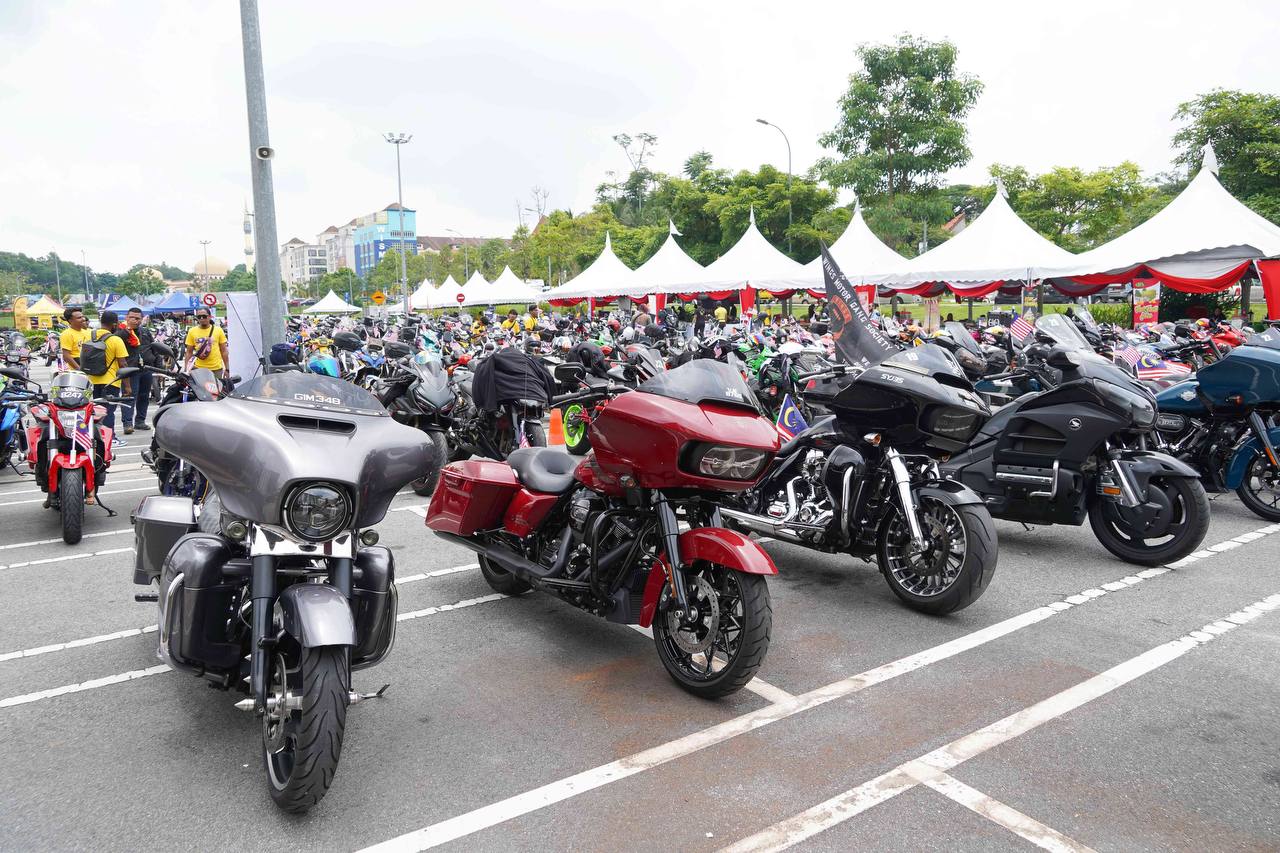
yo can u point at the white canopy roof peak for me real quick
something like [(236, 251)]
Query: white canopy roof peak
[(1210, 161)]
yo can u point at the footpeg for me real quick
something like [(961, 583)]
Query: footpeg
[(353, 697)]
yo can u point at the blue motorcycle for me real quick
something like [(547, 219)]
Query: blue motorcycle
[(13, 440), (1221, 421)]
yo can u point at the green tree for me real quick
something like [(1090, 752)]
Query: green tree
[(238, 278), (901, 122), (1244, 129), (139, 283)]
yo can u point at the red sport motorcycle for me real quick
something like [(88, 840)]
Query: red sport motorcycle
[(68, 449), (604, 532)]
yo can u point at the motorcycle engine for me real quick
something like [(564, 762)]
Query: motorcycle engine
[(806, 500), (581, 508)]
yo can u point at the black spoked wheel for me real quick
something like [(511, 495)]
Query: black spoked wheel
[(302, 730), (426, 484), (71, 499), (1260, 489), (958, 560), (720, 649), (1168, 526), (501, 580)]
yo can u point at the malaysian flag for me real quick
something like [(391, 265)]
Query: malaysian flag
[(1021, 329), (790, 422), (1154, 367), (82, 436)]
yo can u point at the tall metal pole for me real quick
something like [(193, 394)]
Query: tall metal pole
[(398, 139), (205, 244), (84, 268), (466, 255), (57, 275), (270, 297), (788, 141)]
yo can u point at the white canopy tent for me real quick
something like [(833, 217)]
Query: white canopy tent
[(1204, 235), (669, 265), (605, 277), (751, 262), (997, 247), (427, 297), (857, 251), (332, 304), (477, 290), (509, 289)]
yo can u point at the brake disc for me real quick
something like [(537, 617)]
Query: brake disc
[(698, 635)]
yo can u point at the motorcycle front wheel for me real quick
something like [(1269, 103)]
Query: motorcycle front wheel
[(425, 485), (302, 733), (957, 563), (718, 651), (1177, 528), (1260, 489), (71, 499), (576, 440)]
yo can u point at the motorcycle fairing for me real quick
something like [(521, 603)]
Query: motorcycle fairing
[(717, 545), (1240, 461)]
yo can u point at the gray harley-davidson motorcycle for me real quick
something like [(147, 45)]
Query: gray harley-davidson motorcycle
[(276, 586)]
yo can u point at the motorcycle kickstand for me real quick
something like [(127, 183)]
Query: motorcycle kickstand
[(354, 697), (111, 513)]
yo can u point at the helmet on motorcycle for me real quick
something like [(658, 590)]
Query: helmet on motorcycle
[(1203, 323), (614, 325)]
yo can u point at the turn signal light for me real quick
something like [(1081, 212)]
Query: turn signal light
[(369, 537)]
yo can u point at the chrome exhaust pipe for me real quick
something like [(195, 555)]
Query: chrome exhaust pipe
[(786, 530)]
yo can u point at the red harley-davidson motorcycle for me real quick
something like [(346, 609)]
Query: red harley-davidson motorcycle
[(603, 532), (68, 449)]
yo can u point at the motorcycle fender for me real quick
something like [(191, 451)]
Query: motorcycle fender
[(34, 434), (957, 493), (727, 548), (62, 461), (316, 614), (1142, 465), (1236, 468)]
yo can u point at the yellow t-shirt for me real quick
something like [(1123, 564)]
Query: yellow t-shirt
[(722, 314), (213, 361), (510, 324), (71, 339), (530, 323), (117, 352)]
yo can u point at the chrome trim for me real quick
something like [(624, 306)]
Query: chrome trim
[(1053, 489), (166, 629), (268, 539), (902, 479)]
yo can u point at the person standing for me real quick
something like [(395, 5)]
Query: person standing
[(207, 343), (137, 340), (106, 384), (76, 333)]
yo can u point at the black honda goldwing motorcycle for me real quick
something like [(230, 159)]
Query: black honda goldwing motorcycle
[(1079, 449), (864, 479), (266, 589)]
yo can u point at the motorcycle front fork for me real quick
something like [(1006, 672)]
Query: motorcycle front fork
[(669, 528), (902, 482)]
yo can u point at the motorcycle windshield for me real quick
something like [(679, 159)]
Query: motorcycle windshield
[(1269, 338), (309, 391), (1086, 318), (702, 381), (1063, 332), (929, 360), (961, 336)]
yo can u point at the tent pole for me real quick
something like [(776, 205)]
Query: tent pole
[(970, 309)]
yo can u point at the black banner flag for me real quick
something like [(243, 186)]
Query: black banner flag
[(857, 340)]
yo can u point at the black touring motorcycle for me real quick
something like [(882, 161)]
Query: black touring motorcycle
[(1079, 449), (864, 479), (266, 588)]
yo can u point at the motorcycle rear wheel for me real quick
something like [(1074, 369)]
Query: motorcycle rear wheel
[(425, 486), (501, 580), (957, 567), (71, 500), (731, 631), (1190, 522), (536, 434), (300, 747), (1264, 500)]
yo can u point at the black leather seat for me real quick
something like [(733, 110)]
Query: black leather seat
[(544, 469)]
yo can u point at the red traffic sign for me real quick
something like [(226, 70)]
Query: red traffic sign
[(461, 298), (210, 299)]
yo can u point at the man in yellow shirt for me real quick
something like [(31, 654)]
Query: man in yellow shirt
[(512, 323), (208, 343), (722, 314), (76, 333), (107, 384)]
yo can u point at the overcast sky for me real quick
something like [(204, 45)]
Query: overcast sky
[(123, 128)]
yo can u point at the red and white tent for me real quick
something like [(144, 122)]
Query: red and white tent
[(857, 251), (604, 278)]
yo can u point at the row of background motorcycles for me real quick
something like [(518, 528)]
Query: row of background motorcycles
[(263, 556)]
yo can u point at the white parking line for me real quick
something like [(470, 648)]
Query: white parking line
[(150, 488), (906, 776), (34, 487), (35, 542), (149, 629), (766, 691), (1010, 818), (64, 558), (532, 800)]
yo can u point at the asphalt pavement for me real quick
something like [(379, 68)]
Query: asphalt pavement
[(1081, 703)]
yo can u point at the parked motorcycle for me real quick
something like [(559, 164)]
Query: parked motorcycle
[(864, 479), (68, 449), (13, 439), (419, 394), (1221, 423), (266, 589), (177, 476), (1080, 449), (603, 534), (17, 352)]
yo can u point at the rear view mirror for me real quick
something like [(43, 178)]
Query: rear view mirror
[(10, 373), (126, 372), (1062, 359), (569, 371)]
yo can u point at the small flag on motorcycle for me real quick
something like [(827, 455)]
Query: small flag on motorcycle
[(790, 422), (82, 436), (1021, 329)]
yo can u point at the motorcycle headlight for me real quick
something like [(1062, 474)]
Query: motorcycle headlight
[(1141, 408), (725, 462), (68, 421), (317, 511)]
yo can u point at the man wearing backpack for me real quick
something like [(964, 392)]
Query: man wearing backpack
[(101, 358)]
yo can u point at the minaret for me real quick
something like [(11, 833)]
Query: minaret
[(248, 238)]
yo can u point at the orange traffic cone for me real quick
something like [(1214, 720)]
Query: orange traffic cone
[(556, 435)]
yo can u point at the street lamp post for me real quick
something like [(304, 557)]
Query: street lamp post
[(466, 255), (204, 282), (398, 139), (84, 268), (788, 141), (57, 275)]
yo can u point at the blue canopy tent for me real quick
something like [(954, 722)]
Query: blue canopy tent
[(122, 306), (179, 303)]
